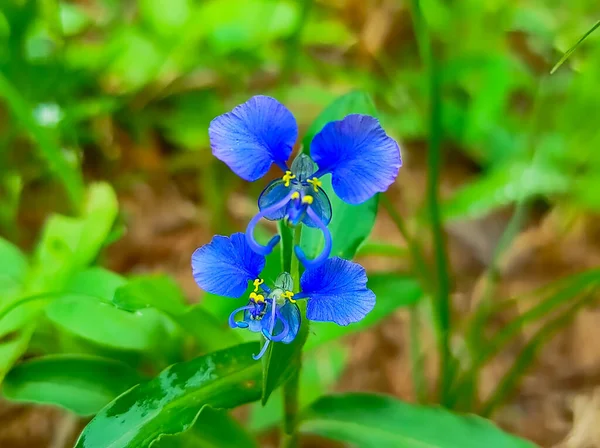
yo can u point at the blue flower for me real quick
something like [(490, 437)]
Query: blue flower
[(336, 291), (361, 158)]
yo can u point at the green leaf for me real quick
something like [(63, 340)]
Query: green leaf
[(151, 291), (162, 293), (377, 421), (81, 384), (13, 266), (210, 333), (346, 238), (70, 244), (172, 402), (102, 323), (392, 291), (503, 186), (214, 429), (96, 282), (321, 370)]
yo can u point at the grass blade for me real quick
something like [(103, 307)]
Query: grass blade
[(574, 47)]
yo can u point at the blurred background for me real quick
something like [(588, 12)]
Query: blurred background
[(123, 91)]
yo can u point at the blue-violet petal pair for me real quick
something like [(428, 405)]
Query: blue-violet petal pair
[(336, 291), (361, 158)]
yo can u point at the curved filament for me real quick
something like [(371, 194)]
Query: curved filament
[(283, 333), (254, 245), (267, 340), (233, 323), (322, 257)]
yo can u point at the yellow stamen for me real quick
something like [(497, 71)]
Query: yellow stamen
[(316, 183), (288, 295), (287, 177), (308, 199), (295, 195), (258, 298), (257, 282)]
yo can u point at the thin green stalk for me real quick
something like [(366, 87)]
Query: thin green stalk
[(293, 44), (512, 378), (291, 387), (416, 357), (442, 303), (416, 253), (420, 269), (492, 275), (574, 47)]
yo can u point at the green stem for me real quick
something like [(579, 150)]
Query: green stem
[(293, 44), (416, 253), (416, 357), (421, 270), (442, 303), (291, 387)]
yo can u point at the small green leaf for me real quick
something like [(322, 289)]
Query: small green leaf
[(172, 402), (81, 384), (392, 291), (377, 421), (214, 428)]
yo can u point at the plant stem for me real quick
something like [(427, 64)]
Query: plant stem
[(442, 303), (421, 270), (416, 357), (420, 267), (291, 387)]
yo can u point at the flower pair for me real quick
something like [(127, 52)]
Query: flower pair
[(336, 291), (360, 157)]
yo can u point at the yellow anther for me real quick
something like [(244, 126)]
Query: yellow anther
[(295, 195), (288, 295), (308, 199), (257, 282), (316, 183), (258, 298), (287, 177)]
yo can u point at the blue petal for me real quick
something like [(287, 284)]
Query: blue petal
[(273, 193), (337, 292), (360, 156), (254, 135), (321, 206), (291, 314), (225, 265)]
